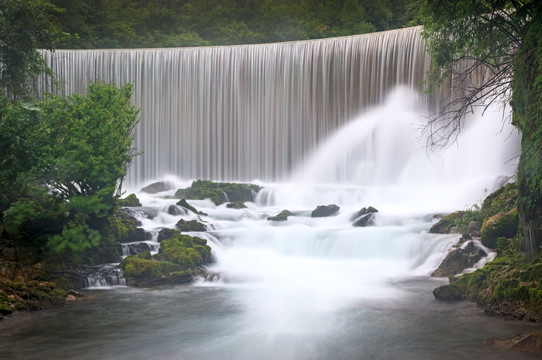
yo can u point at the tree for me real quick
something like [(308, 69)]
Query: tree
[(502, 39), (25, 25)]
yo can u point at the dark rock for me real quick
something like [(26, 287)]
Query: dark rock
[(129, 201), (175, 210), (474, 228), (166, 234), (325, 210), (126, 215), (137, 248), (529, 343), (365, 220), (448, 224), (157, 187), (138, 235), (191, 225), (450, 292), (364, 211), (365, 217), (459, 259), (282, 216), (186, 205)]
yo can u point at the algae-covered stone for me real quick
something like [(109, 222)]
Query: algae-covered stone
[(186, 205), (282, 216), (236, 205), (499, 225), (191, 225), (219, 192), (447, 224), (129, 201)]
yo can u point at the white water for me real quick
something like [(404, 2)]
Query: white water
[(318, 123), (291, 282)]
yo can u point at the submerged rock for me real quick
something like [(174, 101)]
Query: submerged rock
[(364, 217), (459, 259), (282, 216), (529, 343), (157, 187), (325, 210)]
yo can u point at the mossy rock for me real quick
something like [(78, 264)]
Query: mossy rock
[(219, 192), (30, 295), (282, 216), (129, 201), (325, 210), (186, 205), (448, 224), (236, 205), (450, 292), (167, 234), (502, 200), (499, 225), (140, 271), (180, 251), (189, 226)]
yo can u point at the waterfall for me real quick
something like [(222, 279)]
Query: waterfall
[(250, 111)]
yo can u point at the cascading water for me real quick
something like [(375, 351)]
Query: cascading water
[(322, 117)]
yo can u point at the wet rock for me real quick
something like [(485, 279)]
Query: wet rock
[(474, 228), (325, 210), (136, 236), (364, 217), (165, 234), (175, 210), (448, 224), (191, 225), (282, 216), (529, 343), (459, 259), (157, 187), (187, 206), (137, 248)]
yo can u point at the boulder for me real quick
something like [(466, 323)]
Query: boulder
[(191, 225), (219, 193), (364, 217), (282, 216), (448, 224), (166, 234), (474, 228), (157, 187), (325, 210), (503, 224), (129, 201), (187, 206), (138, 248), (136, 236), (175, 210), (459, 259)]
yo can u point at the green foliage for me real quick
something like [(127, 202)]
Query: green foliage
[(25, 25), (90, 144), (162, 23), (499, 225)]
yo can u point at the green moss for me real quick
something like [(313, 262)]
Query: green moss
[(137, 268), (447, 224), (180, 251), (191, 225), (129, 201), (219, 192), (282, 216), (499, 225)]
